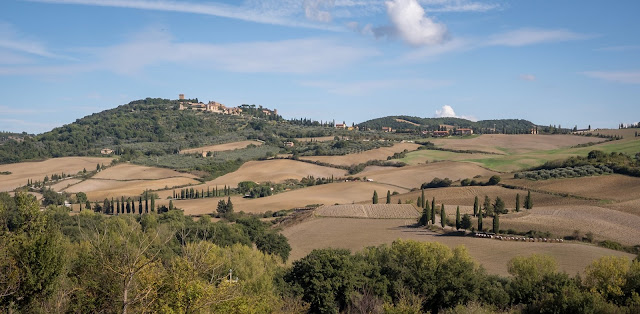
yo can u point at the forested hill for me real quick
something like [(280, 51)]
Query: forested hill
[(151, 126), (432, 124)]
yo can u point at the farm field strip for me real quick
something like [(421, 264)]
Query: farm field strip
[(372, 211), (356, 234), (37, 170), (220, 147), (375, 154)]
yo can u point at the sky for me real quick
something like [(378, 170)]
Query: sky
[(568, 63)]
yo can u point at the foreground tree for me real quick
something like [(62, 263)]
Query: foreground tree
[(475, 206), (496, 223), (458, 221), (528, 201), (518, 202), (466, 222), (443, 216), (388, 197), (480, 221), (375, 197)]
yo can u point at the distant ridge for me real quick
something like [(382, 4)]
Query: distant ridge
[(512, 126)]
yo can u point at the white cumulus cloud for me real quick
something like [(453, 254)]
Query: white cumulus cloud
[(411, 23), (447, 112)]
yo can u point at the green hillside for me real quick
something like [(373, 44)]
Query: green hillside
[(510, 126)]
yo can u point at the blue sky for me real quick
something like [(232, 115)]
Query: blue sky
[(551, 62)]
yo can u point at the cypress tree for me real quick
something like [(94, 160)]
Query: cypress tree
[(399, 201), (480, 221), (433, 212), (388, 197), (487, 205), (528, 201), (153, 204), (201, 193), (146, 203), (443, 216), (496, 223), (182, 194), (197, 195), (375, 197), (475, 206), (128, 206), (458, 223), (171, 205), (229, 205), (117, 206), (140, 205), (208, 192), (517, 202), (433, 205), (419, 201), (424, 219), (428, 210), (424, 201)]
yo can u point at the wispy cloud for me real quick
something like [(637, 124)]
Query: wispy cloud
[(269, 13), (627, 77), (531, 36), (528, 77), (371, 86), (153, 48), (457, 6), (12, 40), (620, 48)]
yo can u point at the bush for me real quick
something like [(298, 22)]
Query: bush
[(437, 183)]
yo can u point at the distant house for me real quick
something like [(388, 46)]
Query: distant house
[(341, 126), (288, 144), (387, 129), (440, 133), (464, 131), (204, 154), (106, 151)]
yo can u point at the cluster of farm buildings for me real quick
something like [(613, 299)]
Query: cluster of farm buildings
[(216, 107)]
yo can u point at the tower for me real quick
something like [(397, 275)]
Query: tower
[(181, 96)]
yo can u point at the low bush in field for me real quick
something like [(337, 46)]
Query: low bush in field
[(565, 172)]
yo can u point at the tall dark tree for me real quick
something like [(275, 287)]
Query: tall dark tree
[(433, 211), (419, 201), (528, 201), (229, 205), (375, 197), (466, 222), (106, 206), (388, 197), (424, 218), (443, 216), (140, 205), (498, 206), (480, 221), (496, 223), (475, 206), (424, 200), (458, 222), (517, 202), (153, 203), (128, 206), (433, 205), (170, 204), (486, 206)]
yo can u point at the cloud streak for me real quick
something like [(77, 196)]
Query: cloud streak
[(530, 36), (627, 77), (265, 15)]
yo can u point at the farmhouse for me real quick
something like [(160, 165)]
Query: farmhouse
[(341, 125), (464, 131), (440, 133), (387, 129), (106, 151), (288, 144)]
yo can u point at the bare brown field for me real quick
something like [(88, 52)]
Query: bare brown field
[(513, 144), (275, 170), (606, 187), (99, 189), (493, 255), (220, 147), (315, 139), (413, 176), (464, 196), (36, 171), (625, 133), (340, 193), (605, 224), (374, 154), (124, 172), (63, 184), (376, 211)]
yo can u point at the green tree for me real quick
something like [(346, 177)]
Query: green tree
[(375, 197), (82, 198), (486, 206), (327, 278), (388, 197), (498, 206), (475, 206), (424, 200), (424, 218), (496, 223), (494, 180), (517, 202), (153, 203), (443, 216), (466, 222), (480, 221), (433, 211), (458, 221), (170, 204), (528, 201)]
